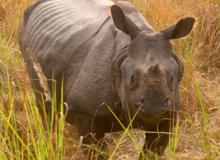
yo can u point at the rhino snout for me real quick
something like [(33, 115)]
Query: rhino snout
[(154, 105)]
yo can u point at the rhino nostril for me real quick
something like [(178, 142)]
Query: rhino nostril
[(142, 101), (167, 102)]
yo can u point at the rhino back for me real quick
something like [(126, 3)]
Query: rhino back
[(55, 29)]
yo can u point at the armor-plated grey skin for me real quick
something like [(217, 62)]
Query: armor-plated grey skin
[(107, 57)]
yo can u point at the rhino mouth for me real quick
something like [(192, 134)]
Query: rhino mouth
[(154, 114)]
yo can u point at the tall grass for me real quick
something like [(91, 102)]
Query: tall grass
[(22, 133)]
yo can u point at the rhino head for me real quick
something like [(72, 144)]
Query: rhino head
[(150, 74)]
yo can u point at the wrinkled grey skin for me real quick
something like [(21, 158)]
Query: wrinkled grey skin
[(112, 58)]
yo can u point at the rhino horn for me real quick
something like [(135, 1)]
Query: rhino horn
[(155, 69)]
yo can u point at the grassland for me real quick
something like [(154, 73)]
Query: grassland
[(197, 136)]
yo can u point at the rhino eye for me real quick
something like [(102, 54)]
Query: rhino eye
[(171, 82), (133, 81)]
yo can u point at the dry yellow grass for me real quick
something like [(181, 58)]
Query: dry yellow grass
[(200, 87)]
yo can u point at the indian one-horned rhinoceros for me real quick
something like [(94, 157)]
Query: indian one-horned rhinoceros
[(108, 54)]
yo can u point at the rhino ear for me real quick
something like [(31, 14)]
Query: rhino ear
[(180, 29), (124, 23)]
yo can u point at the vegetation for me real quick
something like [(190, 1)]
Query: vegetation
[(197, 133)]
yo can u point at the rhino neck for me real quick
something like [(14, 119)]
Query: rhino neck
[(115, 69), (121, 44)]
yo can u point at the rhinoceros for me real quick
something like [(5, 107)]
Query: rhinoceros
[(111, 61)]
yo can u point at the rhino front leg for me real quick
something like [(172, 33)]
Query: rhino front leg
[(92, 130), (154, 146), (157, 140)]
